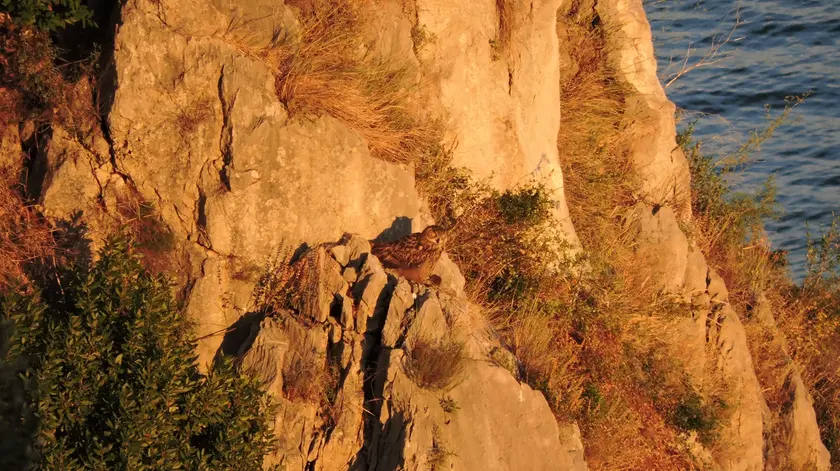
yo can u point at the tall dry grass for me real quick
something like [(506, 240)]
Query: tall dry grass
[(323, 67), (637, 409), (597, 172), (506, 9), (809, 317)]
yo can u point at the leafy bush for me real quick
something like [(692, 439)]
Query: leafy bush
[(502, 241), (693, 414), (27, 70), (528, 205), (48, 15), (106, 378)]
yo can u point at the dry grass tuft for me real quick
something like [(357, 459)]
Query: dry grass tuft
[(305, 376), (542, 342), (434, 364), (26, 239), (154, 239), (193, 115), (597, 172), (323, 69), (507, 11)]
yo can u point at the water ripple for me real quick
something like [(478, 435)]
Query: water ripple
[(784, 48)]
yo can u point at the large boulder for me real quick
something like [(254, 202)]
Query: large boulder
[(374, 413)]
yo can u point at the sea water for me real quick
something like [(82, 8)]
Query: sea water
[(775, 49)]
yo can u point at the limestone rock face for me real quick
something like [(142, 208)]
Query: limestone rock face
[(501, 105), (194, 128), (661, 243), (196, 131), (656, 158), (484, 419), (799, 446), (711, 339), (225, 153)]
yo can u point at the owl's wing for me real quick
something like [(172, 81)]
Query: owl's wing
[(403, 253)]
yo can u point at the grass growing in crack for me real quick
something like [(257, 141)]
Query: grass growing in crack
[(303, 376), (434, 364), (438, 455), (500, 45)]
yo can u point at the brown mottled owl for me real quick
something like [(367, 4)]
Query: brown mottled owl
[(414, 256)]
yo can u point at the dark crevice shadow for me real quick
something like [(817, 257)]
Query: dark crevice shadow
[(299, 252), (374, 366), (239, 334)]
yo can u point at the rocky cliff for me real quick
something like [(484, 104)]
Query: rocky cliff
[(192, 126)]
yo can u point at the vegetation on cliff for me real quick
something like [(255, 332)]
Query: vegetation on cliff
[(99, 361), (99, 372)]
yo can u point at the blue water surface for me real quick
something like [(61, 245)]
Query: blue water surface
[(780, 48)]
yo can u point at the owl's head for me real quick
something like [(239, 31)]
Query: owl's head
[(434, 235)]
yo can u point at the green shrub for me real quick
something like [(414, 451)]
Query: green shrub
[(106, 378), (48, 15), (526, 205), (738, 214), (692, 413), (502, 241)]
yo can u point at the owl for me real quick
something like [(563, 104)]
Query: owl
[(414, 256)]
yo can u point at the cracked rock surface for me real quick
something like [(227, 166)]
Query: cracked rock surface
[(375, 415)]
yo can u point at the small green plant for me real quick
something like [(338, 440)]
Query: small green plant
[(420, 37), (495, 49), (105, 377), (592, 396), (448, 404), (693, 413), (48, 15), (526, 205), (505, 360), (434, 364)]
